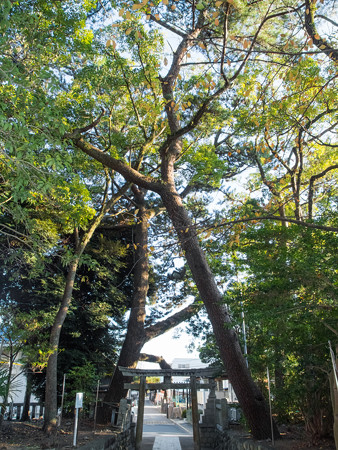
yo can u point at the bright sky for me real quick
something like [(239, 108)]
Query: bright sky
[(170, 348)]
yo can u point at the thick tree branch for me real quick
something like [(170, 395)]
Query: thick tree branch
[(322, 44), (311, 186), (167, 26), (91, 125), (272, 217), (165, 325), (169, 80), (130, 174), (155, 359)]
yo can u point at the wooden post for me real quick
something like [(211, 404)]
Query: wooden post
[(140, 412), (195, 414)]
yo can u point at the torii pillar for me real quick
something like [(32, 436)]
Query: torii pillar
[(140, 412)]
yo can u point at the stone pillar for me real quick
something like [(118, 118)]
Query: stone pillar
[(209, 417), (195, 413), (132, 435), (122, 412), (140, 413), (208, 426), (224, 414)]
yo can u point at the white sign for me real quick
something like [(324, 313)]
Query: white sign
[(79, 400)]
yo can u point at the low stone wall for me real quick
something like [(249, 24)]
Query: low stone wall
[(229, 440), (125, 440), (208, 437)]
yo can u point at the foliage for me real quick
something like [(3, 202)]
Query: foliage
[(89, 334), (287, 293), (3, 380), (81, 379), (252, 100), (12, 337)]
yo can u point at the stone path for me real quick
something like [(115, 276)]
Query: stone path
[(160, 433)]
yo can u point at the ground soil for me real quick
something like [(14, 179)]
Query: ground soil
[(29, 435), (20, 435), (295, 438)]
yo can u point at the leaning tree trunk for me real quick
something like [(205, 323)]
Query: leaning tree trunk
[(249, 396), (137, 335), (50, 418)]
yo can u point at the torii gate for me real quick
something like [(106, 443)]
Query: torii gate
[(167, 374)]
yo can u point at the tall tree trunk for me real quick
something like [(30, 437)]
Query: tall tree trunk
[(251, 399), (50, 419), (137, 335), (28, 392)]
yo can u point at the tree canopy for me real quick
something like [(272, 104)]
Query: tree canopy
[(224, 113)]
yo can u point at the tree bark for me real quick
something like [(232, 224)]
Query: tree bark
[(28, 392), (321, 43), (155, 359), (50, 419), (137, 335), (251, 399)]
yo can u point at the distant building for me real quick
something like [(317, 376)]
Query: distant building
[(187, 363), (18, 388), (224, 388)]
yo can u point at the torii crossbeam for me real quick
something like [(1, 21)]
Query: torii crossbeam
[(167, 374)]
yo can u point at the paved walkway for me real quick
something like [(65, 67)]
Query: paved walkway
[(160, 433)]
